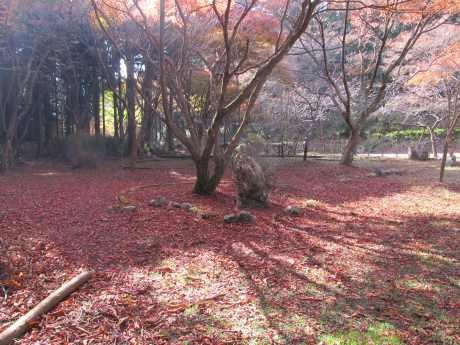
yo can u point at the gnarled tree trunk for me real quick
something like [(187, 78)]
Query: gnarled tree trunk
[(207, 177)]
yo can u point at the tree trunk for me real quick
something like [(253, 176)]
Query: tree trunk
[(433, 142), (76, 152), (116, 127), (305, 150), (206, 183), (96, 107), (148, 116), (169, 134), (169, 140), (103, 108), (7, 155), (443, 160), (350, 149), (121, 112), (131, 93), (282, 146)]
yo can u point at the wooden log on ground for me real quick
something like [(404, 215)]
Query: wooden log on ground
[(19, 327)]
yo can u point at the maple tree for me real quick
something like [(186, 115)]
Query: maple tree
[(224, 40), (434, 83), (444, 74), (357, 50)]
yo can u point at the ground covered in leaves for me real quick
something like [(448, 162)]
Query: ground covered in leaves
[(371, 260)]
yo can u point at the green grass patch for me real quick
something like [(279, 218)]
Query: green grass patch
[(381, 333)]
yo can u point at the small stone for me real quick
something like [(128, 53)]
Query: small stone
[(293, 210), (176, 204), (386, 172), (245, 217), (394, 172), (451, 161), (186, 206), (205, 215), (129, 208), (231, 218), (379, 172), (345, 179), (158, 202)]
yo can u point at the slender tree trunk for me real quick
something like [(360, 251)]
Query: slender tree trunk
[(116, 132), (131, 93), (148, 115), (444, 159), (42, 112), (76, 154), (7, 156), (169, 140), (169, 134), (103, 108), (351, 146), (282, 146), (41, 134), (305, 150), (433, 142), (97, 106), (8, 147), (7, 152), (121, 112), (321, 136)]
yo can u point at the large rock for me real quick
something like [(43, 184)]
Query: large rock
[(451, 161), (250, 179), (418, 152)]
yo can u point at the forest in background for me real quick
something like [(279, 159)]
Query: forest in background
[(85, 79)]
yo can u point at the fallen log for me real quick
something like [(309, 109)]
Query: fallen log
[(19, 327)]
